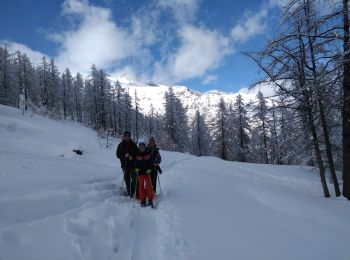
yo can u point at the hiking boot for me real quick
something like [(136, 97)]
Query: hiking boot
[(150, 203), (143, 203)]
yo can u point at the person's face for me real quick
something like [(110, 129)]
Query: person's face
[(142, 148), (127, 137), (151, 143)]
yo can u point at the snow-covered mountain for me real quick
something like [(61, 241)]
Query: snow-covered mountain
[(205, 102), (55, 204)]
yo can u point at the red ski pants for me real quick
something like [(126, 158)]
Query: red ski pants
[(145, 187)]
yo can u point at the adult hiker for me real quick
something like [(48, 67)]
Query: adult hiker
[(143, 168), (156, 160), (126, 152)]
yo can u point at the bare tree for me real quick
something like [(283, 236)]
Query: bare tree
[(346, 105)]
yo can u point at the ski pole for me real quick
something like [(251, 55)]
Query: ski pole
[(122, 186), (160, 187), (136, 186)]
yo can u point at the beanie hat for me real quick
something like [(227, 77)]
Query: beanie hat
[(142, 144), (126, 133)]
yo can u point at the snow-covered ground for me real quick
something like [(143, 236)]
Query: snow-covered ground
[(55, 204)]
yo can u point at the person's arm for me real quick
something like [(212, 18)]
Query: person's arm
[(148, 162), (119, 152), (133, 150), (157, 158)]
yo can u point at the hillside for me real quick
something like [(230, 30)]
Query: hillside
[(55, 204), (205, 102)]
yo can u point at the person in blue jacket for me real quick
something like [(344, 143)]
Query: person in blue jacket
[(143, 165)]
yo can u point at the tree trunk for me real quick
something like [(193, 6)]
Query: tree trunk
[(316, 87), (346, 105), (265, 144), (276, 137), (318, 152), (329, 150)]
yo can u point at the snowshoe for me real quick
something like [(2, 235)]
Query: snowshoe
[(150, 203)]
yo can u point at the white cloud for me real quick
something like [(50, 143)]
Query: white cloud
[(35, 56), (268, 89), (254, 23), (144, 30), (184, 50), (95, 40), (201, 50), (277, 3), (250, 26), (128, 73), (183, 10), (209, 79)]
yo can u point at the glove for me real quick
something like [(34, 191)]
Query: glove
[(148, 171), (137, 170), (126, 155), (130, 158)]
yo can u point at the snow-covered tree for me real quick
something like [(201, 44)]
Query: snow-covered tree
[(8, 90), (175, 128), (221, 132), (53, 85), (78, 85), (260, 131), (346, 100), (201, 141), (67, 87), (243, 128)]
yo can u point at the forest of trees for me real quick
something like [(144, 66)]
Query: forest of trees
[(307, 63), (307, 122)]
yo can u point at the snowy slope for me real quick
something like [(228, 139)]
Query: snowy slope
[(55, 204)]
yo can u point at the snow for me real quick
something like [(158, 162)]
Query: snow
[(205, 102), (55, 204)]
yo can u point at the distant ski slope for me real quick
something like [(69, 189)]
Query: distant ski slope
[(55, 204)]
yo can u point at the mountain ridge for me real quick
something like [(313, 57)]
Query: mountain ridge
[(192, 100)]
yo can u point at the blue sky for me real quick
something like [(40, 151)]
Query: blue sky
[(197, 43)]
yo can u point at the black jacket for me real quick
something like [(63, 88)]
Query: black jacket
[(126, 147), (156, 158)]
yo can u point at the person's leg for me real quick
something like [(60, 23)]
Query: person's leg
[(133, 184), (127, 180), (154, 180), (149, 189), (142, 194)]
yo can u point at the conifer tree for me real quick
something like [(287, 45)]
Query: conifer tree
[(243, 129), (200, 136), (176, 129), (8, 93), (260, 131), (221, 131)]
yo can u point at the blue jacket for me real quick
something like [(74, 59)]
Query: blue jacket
[(143, 161)]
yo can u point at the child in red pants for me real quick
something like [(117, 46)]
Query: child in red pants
[(143, 165)]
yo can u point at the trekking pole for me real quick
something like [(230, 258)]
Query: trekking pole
[(122, 186), (136, 186), (160, 187), (130, 180)]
